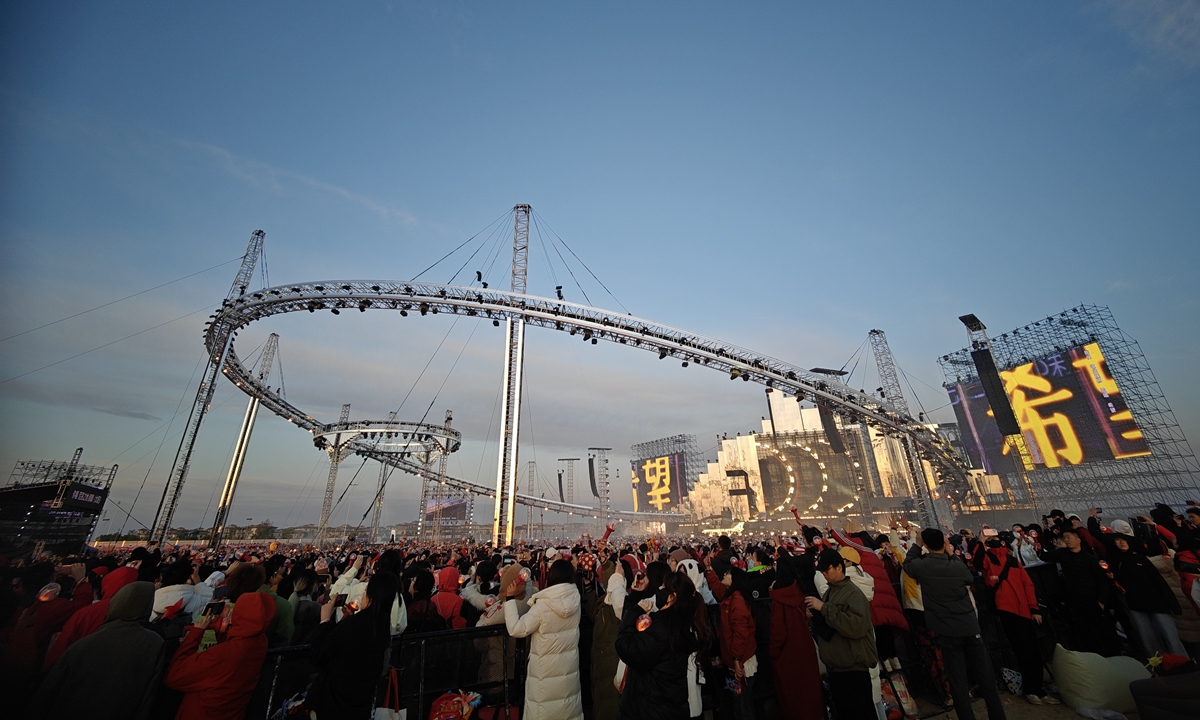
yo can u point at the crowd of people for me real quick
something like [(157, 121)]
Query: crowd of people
[(828, 622)]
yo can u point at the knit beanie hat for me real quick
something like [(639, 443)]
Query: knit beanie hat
[(679, 555)]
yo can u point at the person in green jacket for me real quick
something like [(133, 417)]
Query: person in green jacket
[(845, 639)]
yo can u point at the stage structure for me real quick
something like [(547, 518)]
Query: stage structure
[(390, 442), (566, 466), (1097, 428), (664, 471), (517, 310), (53, 504), (598, 471)]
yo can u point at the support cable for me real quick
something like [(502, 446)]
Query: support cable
[(114, 342), (585, 267), (114, 302), (482, 245), (460, 246), (569, 270)]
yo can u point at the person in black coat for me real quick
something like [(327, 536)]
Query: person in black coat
[(658, 656), (349, 655), (112, 673), (1149, 601)]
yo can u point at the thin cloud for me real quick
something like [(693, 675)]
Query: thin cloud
[(261, 174), (1167, 28)]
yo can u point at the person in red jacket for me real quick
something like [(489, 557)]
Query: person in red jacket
[(89, 619), (793, 652), (217, 683), (49, 613), (447, 600), (1017, 607), (736, 634), (887, 615)]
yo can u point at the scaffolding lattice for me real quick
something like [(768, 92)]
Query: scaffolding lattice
[(693, 461), (1169, 474)]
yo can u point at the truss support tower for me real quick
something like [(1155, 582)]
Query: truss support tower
[(385, 471), (243, 442), (567, 469), (510, 411), (598, 456), (204, 394), (338, 451), (889, 381)]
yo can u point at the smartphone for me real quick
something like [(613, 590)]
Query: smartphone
[(214, 608), (339, 601), (1099, 511)]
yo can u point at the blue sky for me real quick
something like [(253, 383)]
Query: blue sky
[(785, 176)]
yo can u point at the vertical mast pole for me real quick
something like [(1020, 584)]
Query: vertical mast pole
[(204, 394), (506, 466)]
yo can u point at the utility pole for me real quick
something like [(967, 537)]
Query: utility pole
[(510, 411), (204, 394), (338, 451), (265, 364)]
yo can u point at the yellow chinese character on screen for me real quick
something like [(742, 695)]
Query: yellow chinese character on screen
[(1018, 383), (658, 477)]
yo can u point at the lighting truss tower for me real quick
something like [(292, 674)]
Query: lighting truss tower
[(338, 451), (510, 411), (889, 381), (265, 364), (532, 492), (441, 491), (599, 456), (434, 491), (1169, 474), (569, 470), (204, 394), (385, 472)]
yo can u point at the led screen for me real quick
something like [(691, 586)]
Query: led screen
[(1068, 406), (659, 484), (452, 509)]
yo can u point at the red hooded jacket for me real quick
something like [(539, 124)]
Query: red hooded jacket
[(218, 682), (736, 629), (1015, 595), (89, 619), (447, 600), (885, 606)]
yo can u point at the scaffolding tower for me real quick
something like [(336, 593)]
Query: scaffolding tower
[(598, 466), (566, 468), (1169, 474), (693, 461)]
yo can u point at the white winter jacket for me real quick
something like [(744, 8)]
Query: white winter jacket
[(552, 680)]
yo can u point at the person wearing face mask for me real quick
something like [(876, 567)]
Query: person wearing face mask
[(659, 648)]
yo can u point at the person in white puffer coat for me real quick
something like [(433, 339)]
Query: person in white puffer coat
[(552, 680)]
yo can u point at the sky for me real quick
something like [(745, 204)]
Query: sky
[(782, 176)]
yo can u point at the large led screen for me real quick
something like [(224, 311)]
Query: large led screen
[(1068, 406), (659, 484), (452, 509)]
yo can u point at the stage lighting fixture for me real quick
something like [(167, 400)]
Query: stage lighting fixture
[(495, 323), (733, 374), (593, 341), (375, 288), (424, 308), (403, 313), (335, 311), (662, 353), (558, 289), (485, 286), (685, 363)]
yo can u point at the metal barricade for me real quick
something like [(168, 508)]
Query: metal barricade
[(484, 660)]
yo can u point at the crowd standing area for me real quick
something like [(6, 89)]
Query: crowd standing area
[(842, 623)]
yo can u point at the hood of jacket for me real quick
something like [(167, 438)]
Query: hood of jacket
[(562, 599), (116, 580), (790, 595), (132, 602), (167, 596), (691, 568), (251, 614), (447, 580)]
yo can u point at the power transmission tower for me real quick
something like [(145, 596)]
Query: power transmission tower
[(204, 394), (889, 381), (385, 471), (265, 364), (338, 451), (510, 412)]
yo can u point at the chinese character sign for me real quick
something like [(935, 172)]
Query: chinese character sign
[(1068, 406), (658, 483)]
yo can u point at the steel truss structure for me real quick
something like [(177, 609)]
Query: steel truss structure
[(693, 461), (45, 472), (514, 308), (1169, 474)]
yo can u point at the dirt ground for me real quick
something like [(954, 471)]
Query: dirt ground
[(1014, 708)]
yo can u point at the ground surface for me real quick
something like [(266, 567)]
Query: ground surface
[(1015, 708)]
